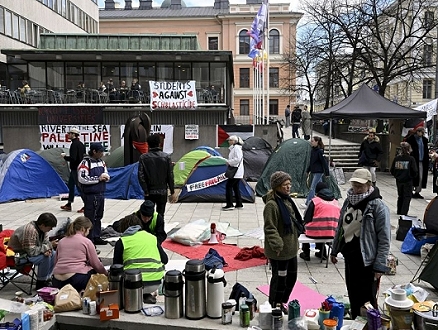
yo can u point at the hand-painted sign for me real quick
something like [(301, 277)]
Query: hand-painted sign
[(168, 95), (206, 183)]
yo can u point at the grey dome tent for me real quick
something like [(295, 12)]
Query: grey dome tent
[(293, 157), (59, 164), (256, 152)]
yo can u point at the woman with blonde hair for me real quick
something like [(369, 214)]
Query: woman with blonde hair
[(235, 159), (76, 257)]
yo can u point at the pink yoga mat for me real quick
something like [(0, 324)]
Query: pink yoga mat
[(308, 298)]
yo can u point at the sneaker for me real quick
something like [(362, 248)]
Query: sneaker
[(66, 207), (239, 207), (149, 298), (417, 195), (304, 256), (99, 241), (81, 210), (228, 208)]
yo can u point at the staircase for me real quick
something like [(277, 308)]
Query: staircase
[(344, 155)]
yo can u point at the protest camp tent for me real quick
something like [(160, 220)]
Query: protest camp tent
[(24, 175), (207, 181), (59, 164), (210, 150), (124, 183), (428, 273), (184, 166), (116, 158), (291, 156), (256, 152)]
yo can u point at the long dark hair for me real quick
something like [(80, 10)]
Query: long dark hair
[(317, 139)]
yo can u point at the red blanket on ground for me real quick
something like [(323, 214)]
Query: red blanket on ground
[(228, 252)]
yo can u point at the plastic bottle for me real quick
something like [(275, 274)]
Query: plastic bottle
[(242, 300), (98, 297)]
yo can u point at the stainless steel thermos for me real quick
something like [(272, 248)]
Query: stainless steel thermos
[(173, 294), (195, 296), (133, 291), (116, 280)]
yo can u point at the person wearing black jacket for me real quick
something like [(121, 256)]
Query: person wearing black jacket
[(420, 151), (317, 166), (155, 174), (404, 169), (77, 152), (370, 153)]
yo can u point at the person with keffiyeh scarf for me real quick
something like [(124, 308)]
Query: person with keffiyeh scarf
[(363, 237), (282, 226)]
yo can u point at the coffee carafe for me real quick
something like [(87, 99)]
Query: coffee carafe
[(133, 291), (195, 298), (116, 279), (173, 294), (215, 292)]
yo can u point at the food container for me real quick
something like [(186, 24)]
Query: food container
[(426, 320)]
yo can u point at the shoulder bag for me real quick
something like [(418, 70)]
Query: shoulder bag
[(231, 171)]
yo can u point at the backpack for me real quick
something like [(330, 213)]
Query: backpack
[(296, 116), (236, 293)]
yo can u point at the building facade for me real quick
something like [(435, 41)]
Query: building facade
[(224, 27)]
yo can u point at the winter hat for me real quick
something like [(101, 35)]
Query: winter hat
[(147, 208), (277, 178), (320, 186)]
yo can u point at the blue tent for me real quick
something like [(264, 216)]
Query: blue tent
[(24, 174), (210, 150), (207, 181), (124, 183)]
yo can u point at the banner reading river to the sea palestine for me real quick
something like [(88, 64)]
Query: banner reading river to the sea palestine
[(223, 132), (173, 95)]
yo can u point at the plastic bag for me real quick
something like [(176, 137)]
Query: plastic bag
[(93, 282), (67, 299), (415, 239)]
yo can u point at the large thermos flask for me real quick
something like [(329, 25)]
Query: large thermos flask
[(215, 292), (115, 278), (195, 299), (133, 291), (173, 294)]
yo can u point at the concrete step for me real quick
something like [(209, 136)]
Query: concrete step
[(344, 156)]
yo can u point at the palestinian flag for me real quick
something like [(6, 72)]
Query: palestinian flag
[(223, 132)]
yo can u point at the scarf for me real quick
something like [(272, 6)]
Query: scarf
[(354, 199), (285, 214)]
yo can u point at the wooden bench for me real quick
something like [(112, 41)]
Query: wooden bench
[(327, 241)]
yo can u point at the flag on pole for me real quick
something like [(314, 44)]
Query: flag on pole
[(257, 30), (223, 132)]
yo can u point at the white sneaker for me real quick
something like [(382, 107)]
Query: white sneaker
[(228, 208)]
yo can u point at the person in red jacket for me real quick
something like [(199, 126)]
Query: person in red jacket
[(320, 220)]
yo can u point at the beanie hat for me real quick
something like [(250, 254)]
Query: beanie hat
[(320, 186), (277, 178), (147, 208)]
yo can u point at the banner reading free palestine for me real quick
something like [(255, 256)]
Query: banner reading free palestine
[(223, 132)]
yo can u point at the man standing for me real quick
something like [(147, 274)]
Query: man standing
[(155, 174), (93, 176), (77, 152), (287, 115), (296, 121), (370, 153), (305, 117), (31, 241), (420, 152)]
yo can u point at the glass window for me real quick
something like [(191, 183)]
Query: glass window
[(273, 77), (428, 19), (274, 42), (63, 7), (244, 107), (17, 73), (3, 71), (165, 71), (244, 77), (146, 72), (23, 27), (8, 23), (128, 71), (218, 78), (213, 43), (111, 71), (55, 75), (2, 20), (73, 74), (427, 89), (183, 71), (273, 107), (37, 74), (92, 76), (201, 74), (243, 42), (428, 53), (15, 30)]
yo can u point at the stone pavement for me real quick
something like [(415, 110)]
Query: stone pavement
[(329, 281)]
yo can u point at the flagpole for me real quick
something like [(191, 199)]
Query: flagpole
[(267, 61)]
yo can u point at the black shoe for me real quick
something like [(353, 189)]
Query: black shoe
[(318, 255), (304, 256), (99, 241), (417, 195), (149, 298)]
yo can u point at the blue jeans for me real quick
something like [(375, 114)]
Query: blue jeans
[(317, 177), (45, 265)]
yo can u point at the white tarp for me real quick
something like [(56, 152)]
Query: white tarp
[(430, 108)]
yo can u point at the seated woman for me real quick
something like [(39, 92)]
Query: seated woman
[(76, 257), (138, 249)]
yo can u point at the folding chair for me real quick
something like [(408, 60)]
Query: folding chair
[(12, 273)]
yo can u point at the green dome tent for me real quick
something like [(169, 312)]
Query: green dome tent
[(185, 165), (115, 158)]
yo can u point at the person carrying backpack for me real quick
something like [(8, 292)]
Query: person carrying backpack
[(296, 121)]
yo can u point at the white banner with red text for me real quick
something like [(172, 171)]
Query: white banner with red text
[(173, 95)]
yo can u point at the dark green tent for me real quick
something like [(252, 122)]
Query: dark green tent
[(292, 156), (429, 273), (53, 157), (115, 158)]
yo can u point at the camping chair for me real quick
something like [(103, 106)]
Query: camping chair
[(10, 272), (430, 263)]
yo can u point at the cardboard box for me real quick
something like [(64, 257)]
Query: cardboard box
[(110, 312), (110, 297)]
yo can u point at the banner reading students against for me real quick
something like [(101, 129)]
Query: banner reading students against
[(173, 95), (56, 136), (165, 130)]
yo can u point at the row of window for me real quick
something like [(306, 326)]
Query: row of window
[(274, 42), (244, 107), (244, 74)]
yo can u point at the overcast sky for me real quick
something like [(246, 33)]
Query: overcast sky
[(198, 3)]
